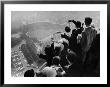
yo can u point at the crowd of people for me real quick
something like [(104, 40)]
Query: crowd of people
[(74, 55)]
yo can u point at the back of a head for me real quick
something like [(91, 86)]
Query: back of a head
[(47, 51), (56, 60), (67, 29), (88, 20), (29, 73), (78, 24)]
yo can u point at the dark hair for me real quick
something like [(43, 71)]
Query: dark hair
[(29, 73), (78, 24), (67, 29), (47, 50), (56, 60), (57, 50), (88, 20)]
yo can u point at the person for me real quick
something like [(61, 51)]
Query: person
[(61, 47), (63, 55), (64, 42), (58, 47), (54, 70), (76, 68), (29, 73), (78, 24), (48, 55), (92, 63), (48, 71), (74, 52), (57, 66), (88, 35), (66, 35), (54, 50), (71, 56), (74, 45), (61, 50)]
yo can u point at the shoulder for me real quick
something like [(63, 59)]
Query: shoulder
[(93, 25)]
